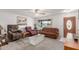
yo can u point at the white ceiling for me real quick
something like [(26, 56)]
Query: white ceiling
[(30, 12)]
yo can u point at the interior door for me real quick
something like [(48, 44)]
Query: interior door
[(69, 25)]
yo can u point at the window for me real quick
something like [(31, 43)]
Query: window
[(44, 23)]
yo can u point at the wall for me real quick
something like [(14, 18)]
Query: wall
[(11, 18), (30, 22), (58, 21), (6, 18)]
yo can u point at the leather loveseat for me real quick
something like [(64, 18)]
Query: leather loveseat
[(50, 32)]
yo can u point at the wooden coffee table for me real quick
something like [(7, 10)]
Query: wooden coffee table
[(71, 45)]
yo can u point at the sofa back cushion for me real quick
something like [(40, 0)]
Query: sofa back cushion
[(54, 30), (45, 29), (28, 28)]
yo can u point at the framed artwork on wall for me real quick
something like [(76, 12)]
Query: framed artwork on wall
[(21, 20)]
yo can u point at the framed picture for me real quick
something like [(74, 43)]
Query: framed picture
[(21, 20)]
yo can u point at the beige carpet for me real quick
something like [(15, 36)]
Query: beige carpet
[(23, 44)]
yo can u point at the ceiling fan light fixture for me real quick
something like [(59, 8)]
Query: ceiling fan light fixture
[(39, 12), (36, 10)]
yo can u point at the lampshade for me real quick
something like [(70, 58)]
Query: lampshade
[(69, 36)]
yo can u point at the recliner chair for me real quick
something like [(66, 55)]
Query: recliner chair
[(13, 33), (32, 32)]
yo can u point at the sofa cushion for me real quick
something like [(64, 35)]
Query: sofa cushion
[(48, 33), (33, 32)]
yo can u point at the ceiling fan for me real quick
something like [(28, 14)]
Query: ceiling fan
[(39, 12)]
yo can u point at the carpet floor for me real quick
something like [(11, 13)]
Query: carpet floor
[(23, 44)]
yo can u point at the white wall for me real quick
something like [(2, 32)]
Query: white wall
[(7, 18), (58, 21), (30, 22)]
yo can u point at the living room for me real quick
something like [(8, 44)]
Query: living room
[(44, 24)]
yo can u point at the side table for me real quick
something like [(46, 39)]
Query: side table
[(24, 34), (3, 40)]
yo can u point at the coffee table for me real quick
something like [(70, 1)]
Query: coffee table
[(34, 40)]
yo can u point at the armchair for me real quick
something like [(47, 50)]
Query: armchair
[(32, 32), (13, 33)]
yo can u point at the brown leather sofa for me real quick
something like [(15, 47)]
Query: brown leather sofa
[(50, 32)]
